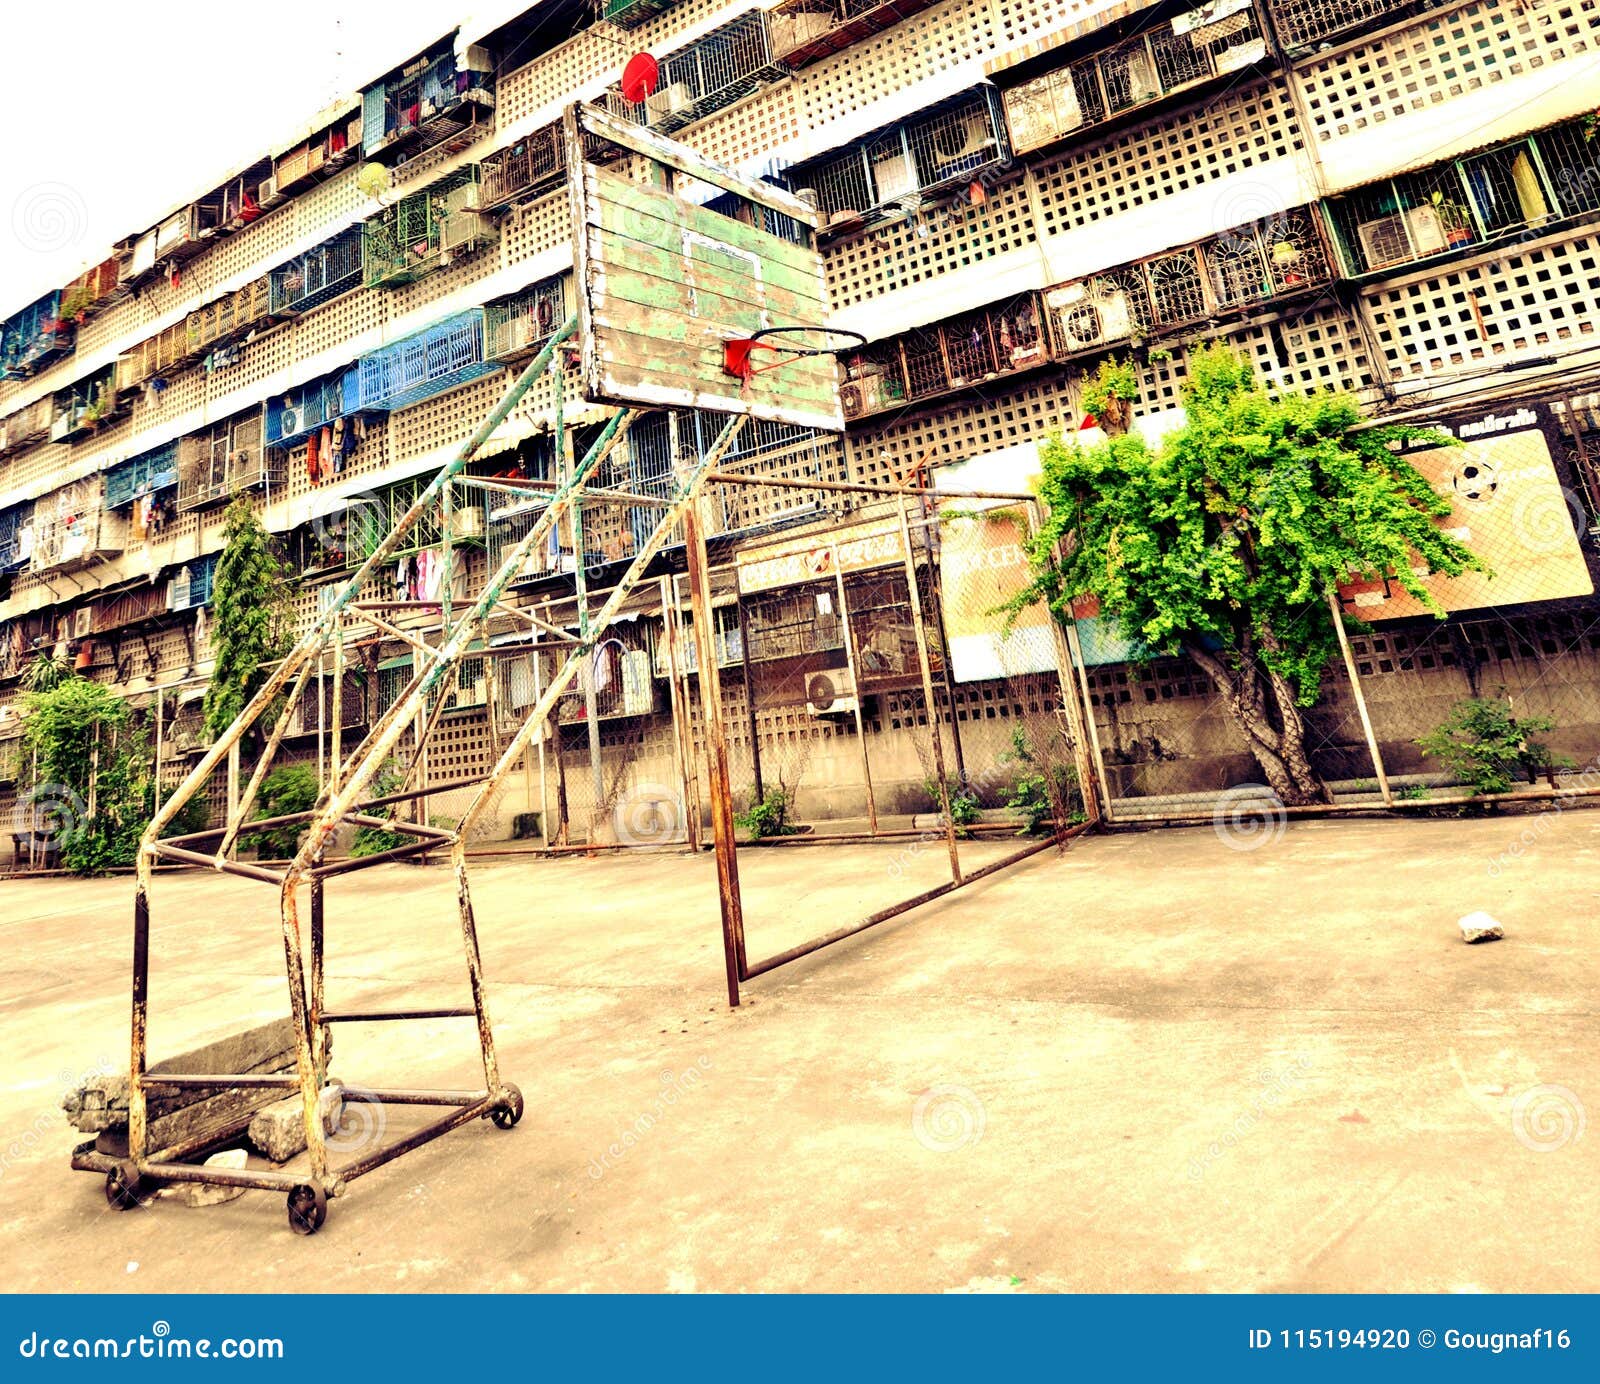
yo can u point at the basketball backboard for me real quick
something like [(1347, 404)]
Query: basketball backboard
[(664, 283)]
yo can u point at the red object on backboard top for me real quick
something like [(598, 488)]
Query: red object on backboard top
[(639, 77)]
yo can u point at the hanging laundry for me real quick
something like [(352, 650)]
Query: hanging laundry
[(402, 579), (325, 454), (313, 469)]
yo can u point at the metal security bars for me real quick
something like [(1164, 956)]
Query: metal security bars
[(432, 100), (1272, 260), (320, 275), (518, 326), (1303, 23), (954, 354), (1206, 42), (32, 338), (806, 31), (534, 164), (896, 169), (425, 364), (218, 462), (1515, 190), (730, 62), (421, 231)]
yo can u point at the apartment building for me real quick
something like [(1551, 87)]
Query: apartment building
[(1396, 197)]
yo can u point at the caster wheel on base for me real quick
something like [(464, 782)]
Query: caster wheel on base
[(509, 1110), (308, 1209), (122, 1185)]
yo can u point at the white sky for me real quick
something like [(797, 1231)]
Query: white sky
[(116, 111)]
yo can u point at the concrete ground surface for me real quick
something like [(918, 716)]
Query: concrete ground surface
[(1155, 1062)]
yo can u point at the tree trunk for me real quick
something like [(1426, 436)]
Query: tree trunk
[(1262, 705)]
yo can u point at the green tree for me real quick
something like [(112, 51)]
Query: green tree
[(1223, 543), (250, 622)]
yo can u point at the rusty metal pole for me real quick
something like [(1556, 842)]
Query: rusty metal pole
[(855, 682), (728, 893), (920, 629), (336, 716), (1075, 658), (1360, 698)]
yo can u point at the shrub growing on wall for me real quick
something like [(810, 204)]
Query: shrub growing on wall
[(249, 611)]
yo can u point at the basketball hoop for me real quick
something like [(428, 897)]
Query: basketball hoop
[(786, 344)]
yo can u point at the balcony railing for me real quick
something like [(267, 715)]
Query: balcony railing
[(91, 291), (431, 101), (726, 65), (428, 363), (422, 231), (1279, 258), (1190, 49), (158, 357), (28, 424), (301, 411), (72, 528), (518, 326), (225, 460), (1510, 191), (950, 355), (34, 337), (328, 150), (1301, 24), (148, 474), (86, 405), (902, 165), (629, 14), (15, 548), (130, 607), (534, 164), (318, 276), (805, 31), (192, 584), (231, 316)]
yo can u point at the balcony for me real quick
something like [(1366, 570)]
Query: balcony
[(159, 356), (1180, 55), (33, 338), (16, 537), (1507, 192), (1306, 24), (148, 474), (27, 425), (725, 66), (92, 291), (630, 14), (429, 102), (225, 460), (72, 528), (426, 364), (328, 150), (318, 276), (901, 166), (517, 327), (806, 31), (534, 164), (131, 607), (191, 586), (301, 411), (81, 409), (952, 355), (424, 231), (1249, 267), (231, 316)]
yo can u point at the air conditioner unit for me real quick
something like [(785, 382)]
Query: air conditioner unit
[(1085, 319), (668, 101), (465, 230), (1385, 240), (861, 397), (289, 421), (467, 522), (268, 195), (970, 137), (831, 693)]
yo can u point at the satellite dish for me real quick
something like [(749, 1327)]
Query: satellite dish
[(373, 180), (639, 77)]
